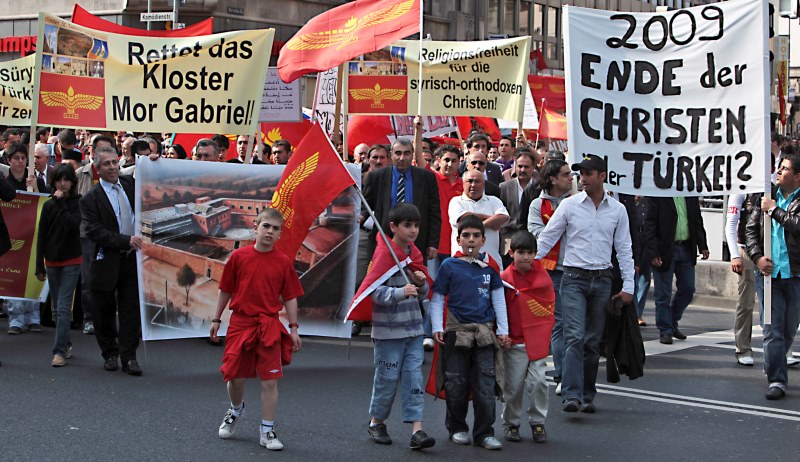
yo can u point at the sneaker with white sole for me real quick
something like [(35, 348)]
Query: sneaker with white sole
[(460, 438), (270, 441), (558, 389), (490, 442), (427, 344), (791, 360), (745, 360), (228, 426)]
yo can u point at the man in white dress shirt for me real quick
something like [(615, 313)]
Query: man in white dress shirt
[(593, 223)]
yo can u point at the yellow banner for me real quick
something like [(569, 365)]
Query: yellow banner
[(16, 87), (205, 84), (485, 78)]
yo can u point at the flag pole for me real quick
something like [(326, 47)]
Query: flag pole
[(338, 111), (248, 153), (419, 97)]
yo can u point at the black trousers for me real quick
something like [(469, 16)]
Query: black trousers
[(122, 301)]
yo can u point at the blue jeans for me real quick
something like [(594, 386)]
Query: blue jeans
[(469, 370), (668, 313), (584, 301), (22, 313), (557, 337), (398, 360), (779, 334), (642, 287), (62, 281)]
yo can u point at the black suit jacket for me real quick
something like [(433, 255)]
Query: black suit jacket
[(494, 174), (378, 192), (7, 194), (99, 224), (660, 229)]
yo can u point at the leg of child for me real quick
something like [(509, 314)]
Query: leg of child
[(413, 388), (388, 361), (236, 392), (269, 399), (537, 391), (482, 378), (456, 376), (516, 366)]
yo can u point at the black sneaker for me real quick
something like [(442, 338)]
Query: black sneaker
[(420, 440), (379, 434), (512, 434), (539, 433), (571, 405), (678, 334)]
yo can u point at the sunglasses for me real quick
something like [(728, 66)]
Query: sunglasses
[(477, 162)]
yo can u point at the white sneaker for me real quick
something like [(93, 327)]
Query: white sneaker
[(460, 438), (228, 426), (558, 389), (745, 360), (490, 442), (270, 441), (427, 344), (791, 360)]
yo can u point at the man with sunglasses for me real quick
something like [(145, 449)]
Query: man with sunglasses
[(477, 161), (479, 143)]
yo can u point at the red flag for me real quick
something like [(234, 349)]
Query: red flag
[(377, 94), (552, 125), (488, 125), (84, 18), (536, 305), (312, 179), (293, 132), (345, 32), (550, 88), (381, 268), (368, 129), (537, 61)]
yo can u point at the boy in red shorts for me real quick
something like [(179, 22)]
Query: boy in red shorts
[(257, 344)]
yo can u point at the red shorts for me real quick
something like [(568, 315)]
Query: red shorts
[(259, 361)]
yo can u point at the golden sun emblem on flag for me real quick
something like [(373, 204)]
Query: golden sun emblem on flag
[(71, 101), (273, 136), (17, 244), (377, 94), (349, 34), (280, 200), (540, 310)]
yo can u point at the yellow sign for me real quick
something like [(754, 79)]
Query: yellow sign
[(485, 78), (16, 88)]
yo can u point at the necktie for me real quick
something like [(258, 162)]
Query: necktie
[(401, 189), (125, 214)]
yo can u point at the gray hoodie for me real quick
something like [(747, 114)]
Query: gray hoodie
[(536, 225)]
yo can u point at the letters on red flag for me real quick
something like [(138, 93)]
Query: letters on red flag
[(313, 177), (345, 32)]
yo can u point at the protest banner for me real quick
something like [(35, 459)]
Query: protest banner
[(432, 126), (484, 78), (18, 265), (324, 108), (530, 120), (16, 87), (192, 215), (100, 80), (280, 101), (675, 101)]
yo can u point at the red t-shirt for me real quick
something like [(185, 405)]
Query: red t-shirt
[(514, 318), (256, 279), (447, 191)]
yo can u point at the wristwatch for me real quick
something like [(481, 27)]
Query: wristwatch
[(294, 324), (771, 209)]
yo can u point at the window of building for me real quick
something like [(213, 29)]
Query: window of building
[(538, 19), (524, 18), (493, 17), (551, 52), (552, 22), (509, 13)]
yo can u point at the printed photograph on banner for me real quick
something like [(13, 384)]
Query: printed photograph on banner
[(18, 265), (676, 101), (377, 87), (193, 215)]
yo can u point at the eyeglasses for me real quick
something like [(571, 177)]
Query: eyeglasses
[(478, 162)]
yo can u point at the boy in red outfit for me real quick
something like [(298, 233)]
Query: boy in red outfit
[(530, 305), (254, 281)]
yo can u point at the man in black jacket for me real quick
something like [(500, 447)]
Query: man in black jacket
[(783, 265), (674, 233)]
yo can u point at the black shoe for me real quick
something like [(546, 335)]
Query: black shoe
[(131, 367), (512, 434), (666, 339), (775, 393), (355, 329), (571, 405), (379, 434), (588, 408), (420, 440), (678, 334), (111, 364), (539, 433)]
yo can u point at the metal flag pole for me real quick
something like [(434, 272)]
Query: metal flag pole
[(421, 18), (382, 233)]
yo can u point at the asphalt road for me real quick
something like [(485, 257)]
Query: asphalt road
[(694, 403)]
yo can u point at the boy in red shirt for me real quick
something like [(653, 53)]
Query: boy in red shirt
[(530, 306), (254, 281)]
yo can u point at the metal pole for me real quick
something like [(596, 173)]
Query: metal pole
[(174, 14), (382, 234), (149, 10)]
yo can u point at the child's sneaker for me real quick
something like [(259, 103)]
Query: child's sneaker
[(228, 426), (270, 441)]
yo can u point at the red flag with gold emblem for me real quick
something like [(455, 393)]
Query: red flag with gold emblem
[(377, 94), (552, 125), (71, 101), (535, 304), (313, 178), (293, 132), (345, 32)]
